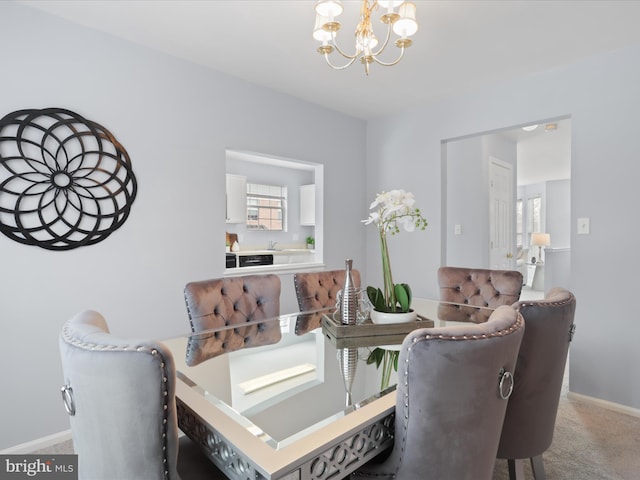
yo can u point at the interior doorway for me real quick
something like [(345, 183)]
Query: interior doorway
[(541, 160)]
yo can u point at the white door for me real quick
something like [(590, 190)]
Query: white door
[(500, 214)]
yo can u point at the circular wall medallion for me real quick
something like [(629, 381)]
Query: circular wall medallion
[(65, 181)]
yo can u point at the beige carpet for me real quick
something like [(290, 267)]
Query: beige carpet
[(589, 443)]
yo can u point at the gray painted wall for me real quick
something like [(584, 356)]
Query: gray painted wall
[(601, 96), (558, 212), (467, 196), (464, 166), (175, 119)]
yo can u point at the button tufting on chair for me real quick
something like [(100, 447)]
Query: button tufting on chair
[(316, 291), (477, 287), (231, 301)]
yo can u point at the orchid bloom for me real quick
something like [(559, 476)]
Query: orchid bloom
[(391, 211)]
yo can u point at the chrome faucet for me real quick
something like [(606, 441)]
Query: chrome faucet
[(272, 245)]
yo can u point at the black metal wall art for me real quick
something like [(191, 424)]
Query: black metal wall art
[(65, 181)]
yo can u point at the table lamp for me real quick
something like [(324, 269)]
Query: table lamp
[(540, 240)]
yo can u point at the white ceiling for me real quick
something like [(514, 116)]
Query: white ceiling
[(460, 45), (544, 154)]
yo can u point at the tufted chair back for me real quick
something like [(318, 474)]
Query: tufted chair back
[(451, 399), (317, 291), (231, 302), (476, 287), (531, 414), (120, 397)]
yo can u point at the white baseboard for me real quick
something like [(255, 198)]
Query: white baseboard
[(615, 407), (39, 443)]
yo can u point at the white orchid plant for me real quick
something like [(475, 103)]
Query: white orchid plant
[(392, 211)]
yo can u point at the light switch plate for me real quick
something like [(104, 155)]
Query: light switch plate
[(457, 229), (583, 226)]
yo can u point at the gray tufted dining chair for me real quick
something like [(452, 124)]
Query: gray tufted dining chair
[(450, 400), (120, 397), (232, 302), (476, 287), (531, 414), (317, 291)]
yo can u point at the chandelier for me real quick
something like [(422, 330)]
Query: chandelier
[(402, 23)]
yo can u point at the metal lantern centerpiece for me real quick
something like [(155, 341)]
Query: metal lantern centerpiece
[(348, 357)]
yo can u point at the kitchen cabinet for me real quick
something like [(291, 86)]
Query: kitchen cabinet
[(307, 205), (236, 199)]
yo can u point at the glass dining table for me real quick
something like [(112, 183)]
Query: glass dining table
[(306, 405)]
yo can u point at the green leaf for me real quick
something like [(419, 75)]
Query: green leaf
[(376, 297), (372, 292), (403, 296), (409, 294), (376, 356)]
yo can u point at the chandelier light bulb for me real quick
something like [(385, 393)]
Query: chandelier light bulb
[(373, 42), (366, 43)]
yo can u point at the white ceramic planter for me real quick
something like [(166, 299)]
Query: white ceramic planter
[(383, 317)]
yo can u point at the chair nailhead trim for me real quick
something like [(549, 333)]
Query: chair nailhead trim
[(71, 340), (515, 326)]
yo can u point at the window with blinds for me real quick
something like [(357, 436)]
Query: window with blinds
[(266, 207)]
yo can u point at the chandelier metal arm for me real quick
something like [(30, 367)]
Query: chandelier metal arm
[(348, 64), (386, 41), (391, 64), (334, 44)]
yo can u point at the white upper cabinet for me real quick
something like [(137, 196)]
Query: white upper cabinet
[(307, 205), (236, 199)]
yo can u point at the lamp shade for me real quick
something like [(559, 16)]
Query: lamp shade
[(320, 33), (329, 8), (406, 25), (540, 239)]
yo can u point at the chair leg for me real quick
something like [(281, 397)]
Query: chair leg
[(538, 468), (516, 468)]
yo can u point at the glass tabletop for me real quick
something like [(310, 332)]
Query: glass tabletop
[(301, 379)]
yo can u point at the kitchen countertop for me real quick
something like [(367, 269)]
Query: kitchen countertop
[(283, 251), (285, 268)]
